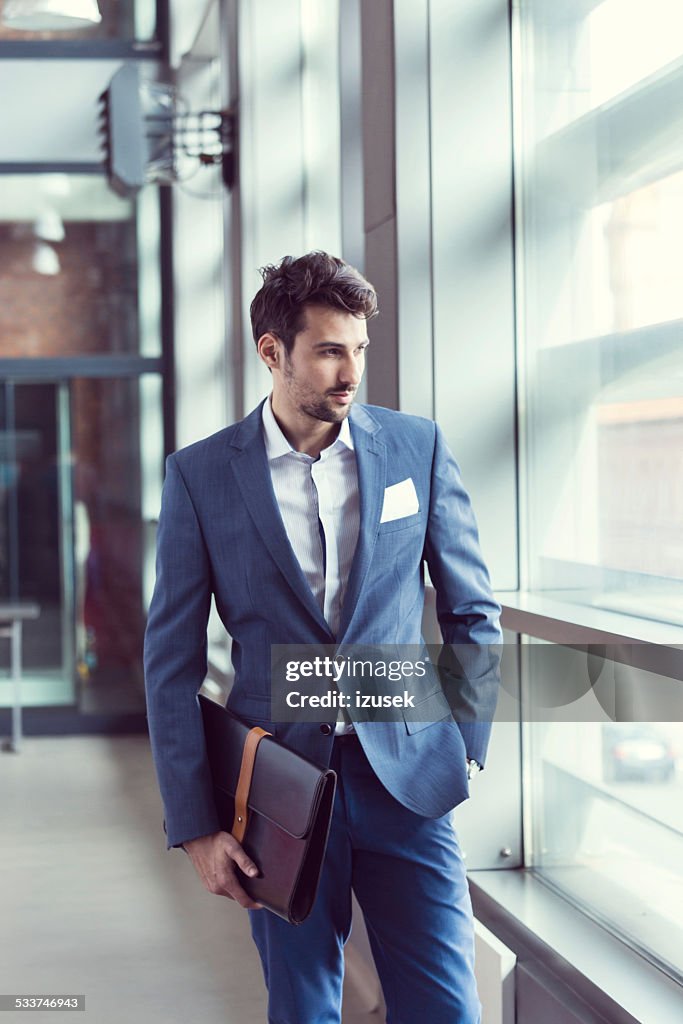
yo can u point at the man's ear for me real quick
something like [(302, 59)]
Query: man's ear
[(270, 350)]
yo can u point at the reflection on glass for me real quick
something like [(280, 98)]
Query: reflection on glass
[(70, 255)]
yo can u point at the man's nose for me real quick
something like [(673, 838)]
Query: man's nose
[(351, 373)]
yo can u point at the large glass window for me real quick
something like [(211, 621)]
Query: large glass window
[(599, 161), (600, 165)]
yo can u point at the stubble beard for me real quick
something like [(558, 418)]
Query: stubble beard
[(320, 411), (316, 407)]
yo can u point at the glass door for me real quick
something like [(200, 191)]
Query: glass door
[(80, 477), (81, 441), (36, 549)]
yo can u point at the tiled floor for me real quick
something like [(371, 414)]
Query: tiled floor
[(91, 902)]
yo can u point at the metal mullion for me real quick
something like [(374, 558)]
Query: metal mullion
[(79, 49), (63, 367)]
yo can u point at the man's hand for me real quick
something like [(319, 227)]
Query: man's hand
[(214, 858)]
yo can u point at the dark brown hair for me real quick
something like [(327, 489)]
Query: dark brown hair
[(314, 279)]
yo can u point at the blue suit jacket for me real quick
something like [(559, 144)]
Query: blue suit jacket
[(221, 533)]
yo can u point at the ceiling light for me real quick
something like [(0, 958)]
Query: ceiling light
[(49, 226), (45, 260), (50, 15)]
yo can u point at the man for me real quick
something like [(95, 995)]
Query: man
[(309, 522)]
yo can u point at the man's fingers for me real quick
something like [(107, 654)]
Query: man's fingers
[(230, 887), (238, 858), (243, 862), (237, 893), (215, 859)]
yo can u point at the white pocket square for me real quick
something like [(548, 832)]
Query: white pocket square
[(400, 500)]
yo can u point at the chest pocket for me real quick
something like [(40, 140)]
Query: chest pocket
[(405, 523)]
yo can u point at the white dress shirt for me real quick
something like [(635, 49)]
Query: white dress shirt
[(313, 493), (320, 508)]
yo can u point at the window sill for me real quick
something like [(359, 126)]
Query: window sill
[(540, 926), (653, 646)]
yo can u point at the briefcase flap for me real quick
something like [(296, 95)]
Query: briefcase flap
[(285, 786)]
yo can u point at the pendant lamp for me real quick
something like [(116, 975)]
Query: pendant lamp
[(50, 15), (49, 226), (45, 260)]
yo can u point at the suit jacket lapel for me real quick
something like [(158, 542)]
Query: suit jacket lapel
[(371, 460), (252, 474)]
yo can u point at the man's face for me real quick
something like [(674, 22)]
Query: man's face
[(320, 376)]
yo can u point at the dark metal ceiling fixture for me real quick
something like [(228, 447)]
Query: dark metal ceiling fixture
[(150, 135)]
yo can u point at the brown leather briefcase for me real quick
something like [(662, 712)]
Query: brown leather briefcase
[(276, 803)]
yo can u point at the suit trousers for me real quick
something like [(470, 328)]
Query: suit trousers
[(409, 879)]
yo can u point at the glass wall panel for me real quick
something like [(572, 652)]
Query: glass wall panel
[(600, 167), (606, 805), (35, 549), (70, 259), (81, 465)]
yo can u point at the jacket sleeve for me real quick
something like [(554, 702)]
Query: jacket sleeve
[(468, 614), (175, 665)]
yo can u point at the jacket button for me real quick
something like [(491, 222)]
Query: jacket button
[(326, 729)]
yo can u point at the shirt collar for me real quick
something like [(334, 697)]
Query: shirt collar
[(277, 444)]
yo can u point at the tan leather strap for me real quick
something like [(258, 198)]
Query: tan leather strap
[(239, 825)]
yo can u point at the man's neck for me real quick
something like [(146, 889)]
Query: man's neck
[(305, 433)]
